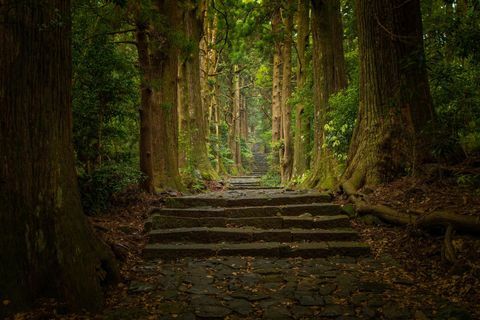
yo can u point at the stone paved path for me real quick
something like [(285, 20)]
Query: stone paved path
[(256, 253), (270, 288)]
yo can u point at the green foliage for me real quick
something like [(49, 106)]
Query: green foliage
[(299, 180), (271, 179), (469, 180), (193, 179), (452, 50), (247, 155), (98, 187), (342, 115), (105, 103), (341, 121), (105, 93)]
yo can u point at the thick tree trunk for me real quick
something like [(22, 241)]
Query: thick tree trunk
[(287, 160), (146, 163), (193, 23), (329, 77), (302, 128), (276, 90), (183, 116), (158, 58), (164, 67), (390, 137), (47, 247)]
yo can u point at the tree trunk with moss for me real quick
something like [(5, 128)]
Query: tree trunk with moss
[(146, 162), (302, 126), (183, 115), (287, 159), (164, 57), (159, 64), (47, 247), (236, 152), (391, 134), (276, 89), (193, 24), (329, 77)]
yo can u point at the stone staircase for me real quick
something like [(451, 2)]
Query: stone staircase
[(269, 223), (248, 183), (260, 164)]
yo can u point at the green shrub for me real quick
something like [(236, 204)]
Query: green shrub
[(341, 121), (97, 188), (271, 179)]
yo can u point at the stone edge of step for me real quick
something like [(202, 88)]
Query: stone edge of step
[(274, 249)]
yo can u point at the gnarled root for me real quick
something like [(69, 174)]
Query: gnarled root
[(420, 220)]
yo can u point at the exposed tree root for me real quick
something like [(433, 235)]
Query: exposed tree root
[(448, 250), (458, 222)]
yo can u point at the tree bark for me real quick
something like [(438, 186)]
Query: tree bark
[(302, 128), (237, 119), (183, 115), (276, 89), (164, 67), (158, 58), (146, 163), (193, 23), (287, 160), (329, 77), (47, 247), (390, 137)]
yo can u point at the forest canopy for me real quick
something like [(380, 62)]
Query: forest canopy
[(259, 83)]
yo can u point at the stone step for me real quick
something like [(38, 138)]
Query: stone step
[(265, 249), (211, 235), (243, 183), (255, 188), (158, 221), (245, 177), (315, 209), (248, 200)]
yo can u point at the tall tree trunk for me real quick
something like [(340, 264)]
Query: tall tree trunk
[(211, 86), (146, 162), (237, 118), (395, 102), (158, 58), (276, 89), (183, 115), (329, 77), (244, 117), (302, 128), (47, 247), (164, 67), (216, 110), (194, 15), (287, 161)]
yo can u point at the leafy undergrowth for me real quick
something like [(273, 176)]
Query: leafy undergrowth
[(420, 251)]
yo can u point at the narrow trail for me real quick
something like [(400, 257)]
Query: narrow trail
[(258, 253)]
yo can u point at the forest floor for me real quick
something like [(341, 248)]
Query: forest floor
[(420, 251), (405, 278)]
